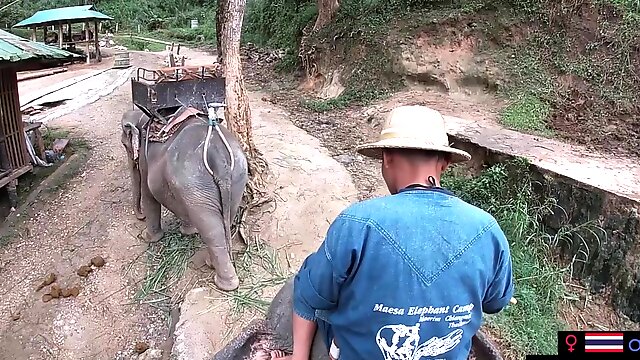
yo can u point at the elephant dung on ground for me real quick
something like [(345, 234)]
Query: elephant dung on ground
[(173, 174), (260, 337)]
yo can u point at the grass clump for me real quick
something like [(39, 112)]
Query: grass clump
[(167, 261), (139, 45), (527, 114), (259, 268), (506, 190)]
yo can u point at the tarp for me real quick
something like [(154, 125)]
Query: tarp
[(14, 49), (73, 14)]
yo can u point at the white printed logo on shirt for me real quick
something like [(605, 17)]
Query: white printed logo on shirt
[(401, 342)]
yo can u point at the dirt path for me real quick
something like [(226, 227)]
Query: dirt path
[(92, 216)]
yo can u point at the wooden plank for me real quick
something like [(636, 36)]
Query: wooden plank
[(97, 43), (15, 174), (86, 37), (32, 126)]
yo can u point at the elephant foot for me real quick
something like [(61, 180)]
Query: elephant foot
[(226, 285), (152, 237), (188, 230), (200, 259), (140, 215)]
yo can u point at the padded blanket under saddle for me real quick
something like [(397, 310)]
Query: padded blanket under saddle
[(160, 132)]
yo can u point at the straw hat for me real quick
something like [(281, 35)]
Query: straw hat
[(413, 127)]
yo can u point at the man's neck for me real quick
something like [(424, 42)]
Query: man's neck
[(422, 180)]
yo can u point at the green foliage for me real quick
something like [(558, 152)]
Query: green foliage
[(527, 113), (139, 45), (506, 191), (277, 23)]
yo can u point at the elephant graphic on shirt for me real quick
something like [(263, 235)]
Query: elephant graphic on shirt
[(404, 342)]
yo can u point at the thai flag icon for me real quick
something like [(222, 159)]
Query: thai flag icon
[(603, 342)]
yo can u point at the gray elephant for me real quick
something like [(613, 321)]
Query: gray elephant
[(173, 174), (258, 339)]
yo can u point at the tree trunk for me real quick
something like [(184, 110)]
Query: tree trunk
[(221, 19), (326, 10), (238, 113)]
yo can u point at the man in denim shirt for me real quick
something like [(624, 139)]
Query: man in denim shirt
[(405, 276)]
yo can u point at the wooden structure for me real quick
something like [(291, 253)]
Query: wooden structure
[(62, 21), (17, 54)]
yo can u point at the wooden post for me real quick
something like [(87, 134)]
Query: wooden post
[(33, 34), (86, 38), (116, 28), (60, 35), (44, 39), (96, 42), (69, 32)]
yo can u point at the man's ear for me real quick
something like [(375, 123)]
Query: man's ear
[(386, 158), (445, 161)]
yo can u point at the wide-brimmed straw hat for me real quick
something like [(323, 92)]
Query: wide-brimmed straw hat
[(413, 127)]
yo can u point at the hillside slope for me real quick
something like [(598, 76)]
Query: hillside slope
[(561, 68)]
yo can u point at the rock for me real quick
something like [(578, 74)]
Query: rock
[(84, 270), (66, 293), (97, 261), (345, 159), (46, 298), (141, 347), (151, 354), (48, 280), (16, 316), (75, 291), (193, 331), (55, 291)]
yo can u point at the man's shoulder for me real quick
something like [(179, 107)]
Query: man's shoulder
[(366, 210), (379, 207)]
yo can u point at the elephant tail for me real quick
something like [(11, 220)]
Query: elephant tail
[(225, 191)]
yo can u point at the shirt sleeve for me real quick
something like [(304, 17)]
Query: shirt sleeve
[(317, 284), (501, 287)]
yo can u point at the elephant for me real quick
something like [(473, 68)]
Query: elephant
[(260, 337), (275, 332), (173, 174)]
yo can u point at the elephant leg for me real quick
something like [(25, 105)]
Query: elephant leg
[(153, 213), (187, 229), (211, 229)]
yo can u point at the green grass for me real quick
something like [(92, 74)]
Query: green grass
[(258, 268), (527, 114), (167, 261), (506, 191), (139, 45)]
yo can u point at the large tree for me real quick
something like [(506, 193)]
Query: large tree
[(238, 112), (326, 11)]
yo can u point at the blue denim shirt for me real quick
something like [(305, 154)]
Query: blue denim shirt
[(406, 276)]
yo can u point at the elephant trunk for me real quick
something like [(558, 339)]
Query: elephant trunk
[(132, 145)]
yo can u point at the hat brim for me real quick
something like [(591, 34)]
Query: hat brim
[(374, 150)]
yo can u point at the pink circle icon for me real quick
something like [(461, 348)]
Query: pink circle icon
[(571, 341)]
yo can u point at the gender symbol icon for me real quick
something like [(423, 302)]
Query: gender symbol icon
[(571, 340)]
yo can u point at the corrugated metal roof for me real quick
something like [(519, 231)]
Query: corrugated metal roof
[(13, 48), (64, 15)]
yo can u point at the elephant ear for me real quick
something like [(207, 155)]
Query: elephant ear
[(134, 137)]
